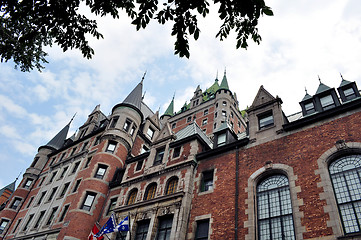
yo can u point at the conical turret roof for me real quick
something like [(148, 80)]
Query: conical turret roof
[(224, 83), (170, 109), (135, 97), (58, 141)]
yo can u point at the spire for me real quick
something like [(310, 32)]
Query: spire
[(322, 87), (135, 97), (170, 109), (307, 96), (224, 83), (344, 82), (58, 141)]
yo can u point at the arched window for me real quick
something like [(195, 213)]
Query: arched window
[(150, 192), (274, 208), (132, 196), (345, 175), (172, 186)]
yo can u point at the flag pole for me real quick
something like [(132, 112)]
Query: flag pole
[(130, 229)]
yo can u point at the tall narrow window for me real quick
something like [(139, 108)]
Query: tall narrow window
[(114, 122), (159, 156), (41, 197), (100, 171), (142, 230), (172, 186), (3, 224), (275, 220), (30, 201), (345, 177), (132, 196), (202, 230), (52, 215), (139, 165), (150, 132), (52, 177), (132, 131), (97, 140), (53, 191), (87, 162), (150, 192), (76, 186), (62, 157), (207, 181), (73, 151), (28, 183), (88, 201), (64, 213), (164, 228), (111, 147), (76, 165), (41, 215), (127, 124), (65, 188), (17, 225), (63, 172), (112, 204), (176, 152), (28, 222), (15, 203), (310, 108), (85, 145)]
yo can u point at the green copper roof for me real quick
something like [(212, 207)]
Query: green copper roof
[(306, 97), (170, 109), (321, 88), (224, 83), (214, 87)]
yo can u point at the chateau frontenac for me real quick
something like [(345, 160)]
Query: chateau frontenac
[(206, 171)]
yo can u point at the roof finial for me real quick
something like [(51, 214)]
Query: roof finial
[(341, 76), (224, 71), (217, 75), (143, 76), (173, 95), (306, 90), (144, 94), (319, 79), (72, 118), (18, 177)]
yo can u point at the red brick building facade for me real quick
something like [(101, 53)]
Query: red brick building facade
[(205, 172)]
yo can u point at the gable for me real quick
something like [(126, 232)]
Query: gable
[(262, 97)]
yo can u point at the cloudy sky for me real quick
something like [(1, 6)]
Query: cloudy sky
[(303, 40)]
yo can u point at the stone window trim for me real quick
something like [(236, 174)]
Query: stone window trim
[(199, 180), (98, 173), (331, 208), (132, 196), (201, 218), (16, 203), (251, 209), (4, 221), (87, 192), (176, 150), (171, 185)]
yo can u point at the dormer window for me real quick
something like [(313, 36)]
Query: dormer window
[(349, 93), (150, 132), (327, 102), (221, 140), (310, 108), (265, 120)]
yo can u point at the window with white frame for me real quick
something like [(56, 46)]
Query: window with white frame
[(88, 201)]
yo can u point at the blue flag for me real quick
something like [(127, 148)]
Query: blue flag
[(123, 225), (108, 227)]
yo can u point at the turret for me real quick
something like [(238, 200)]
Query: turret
[(169, 112)]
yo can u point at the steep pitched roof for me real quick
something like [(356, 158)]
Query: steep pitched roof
[(135, 97), (193, 129), (322, 88), (224, 83), (306, 97), (165, 132), (10, 187), (58, 141), (170, 109), (262, 97)]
